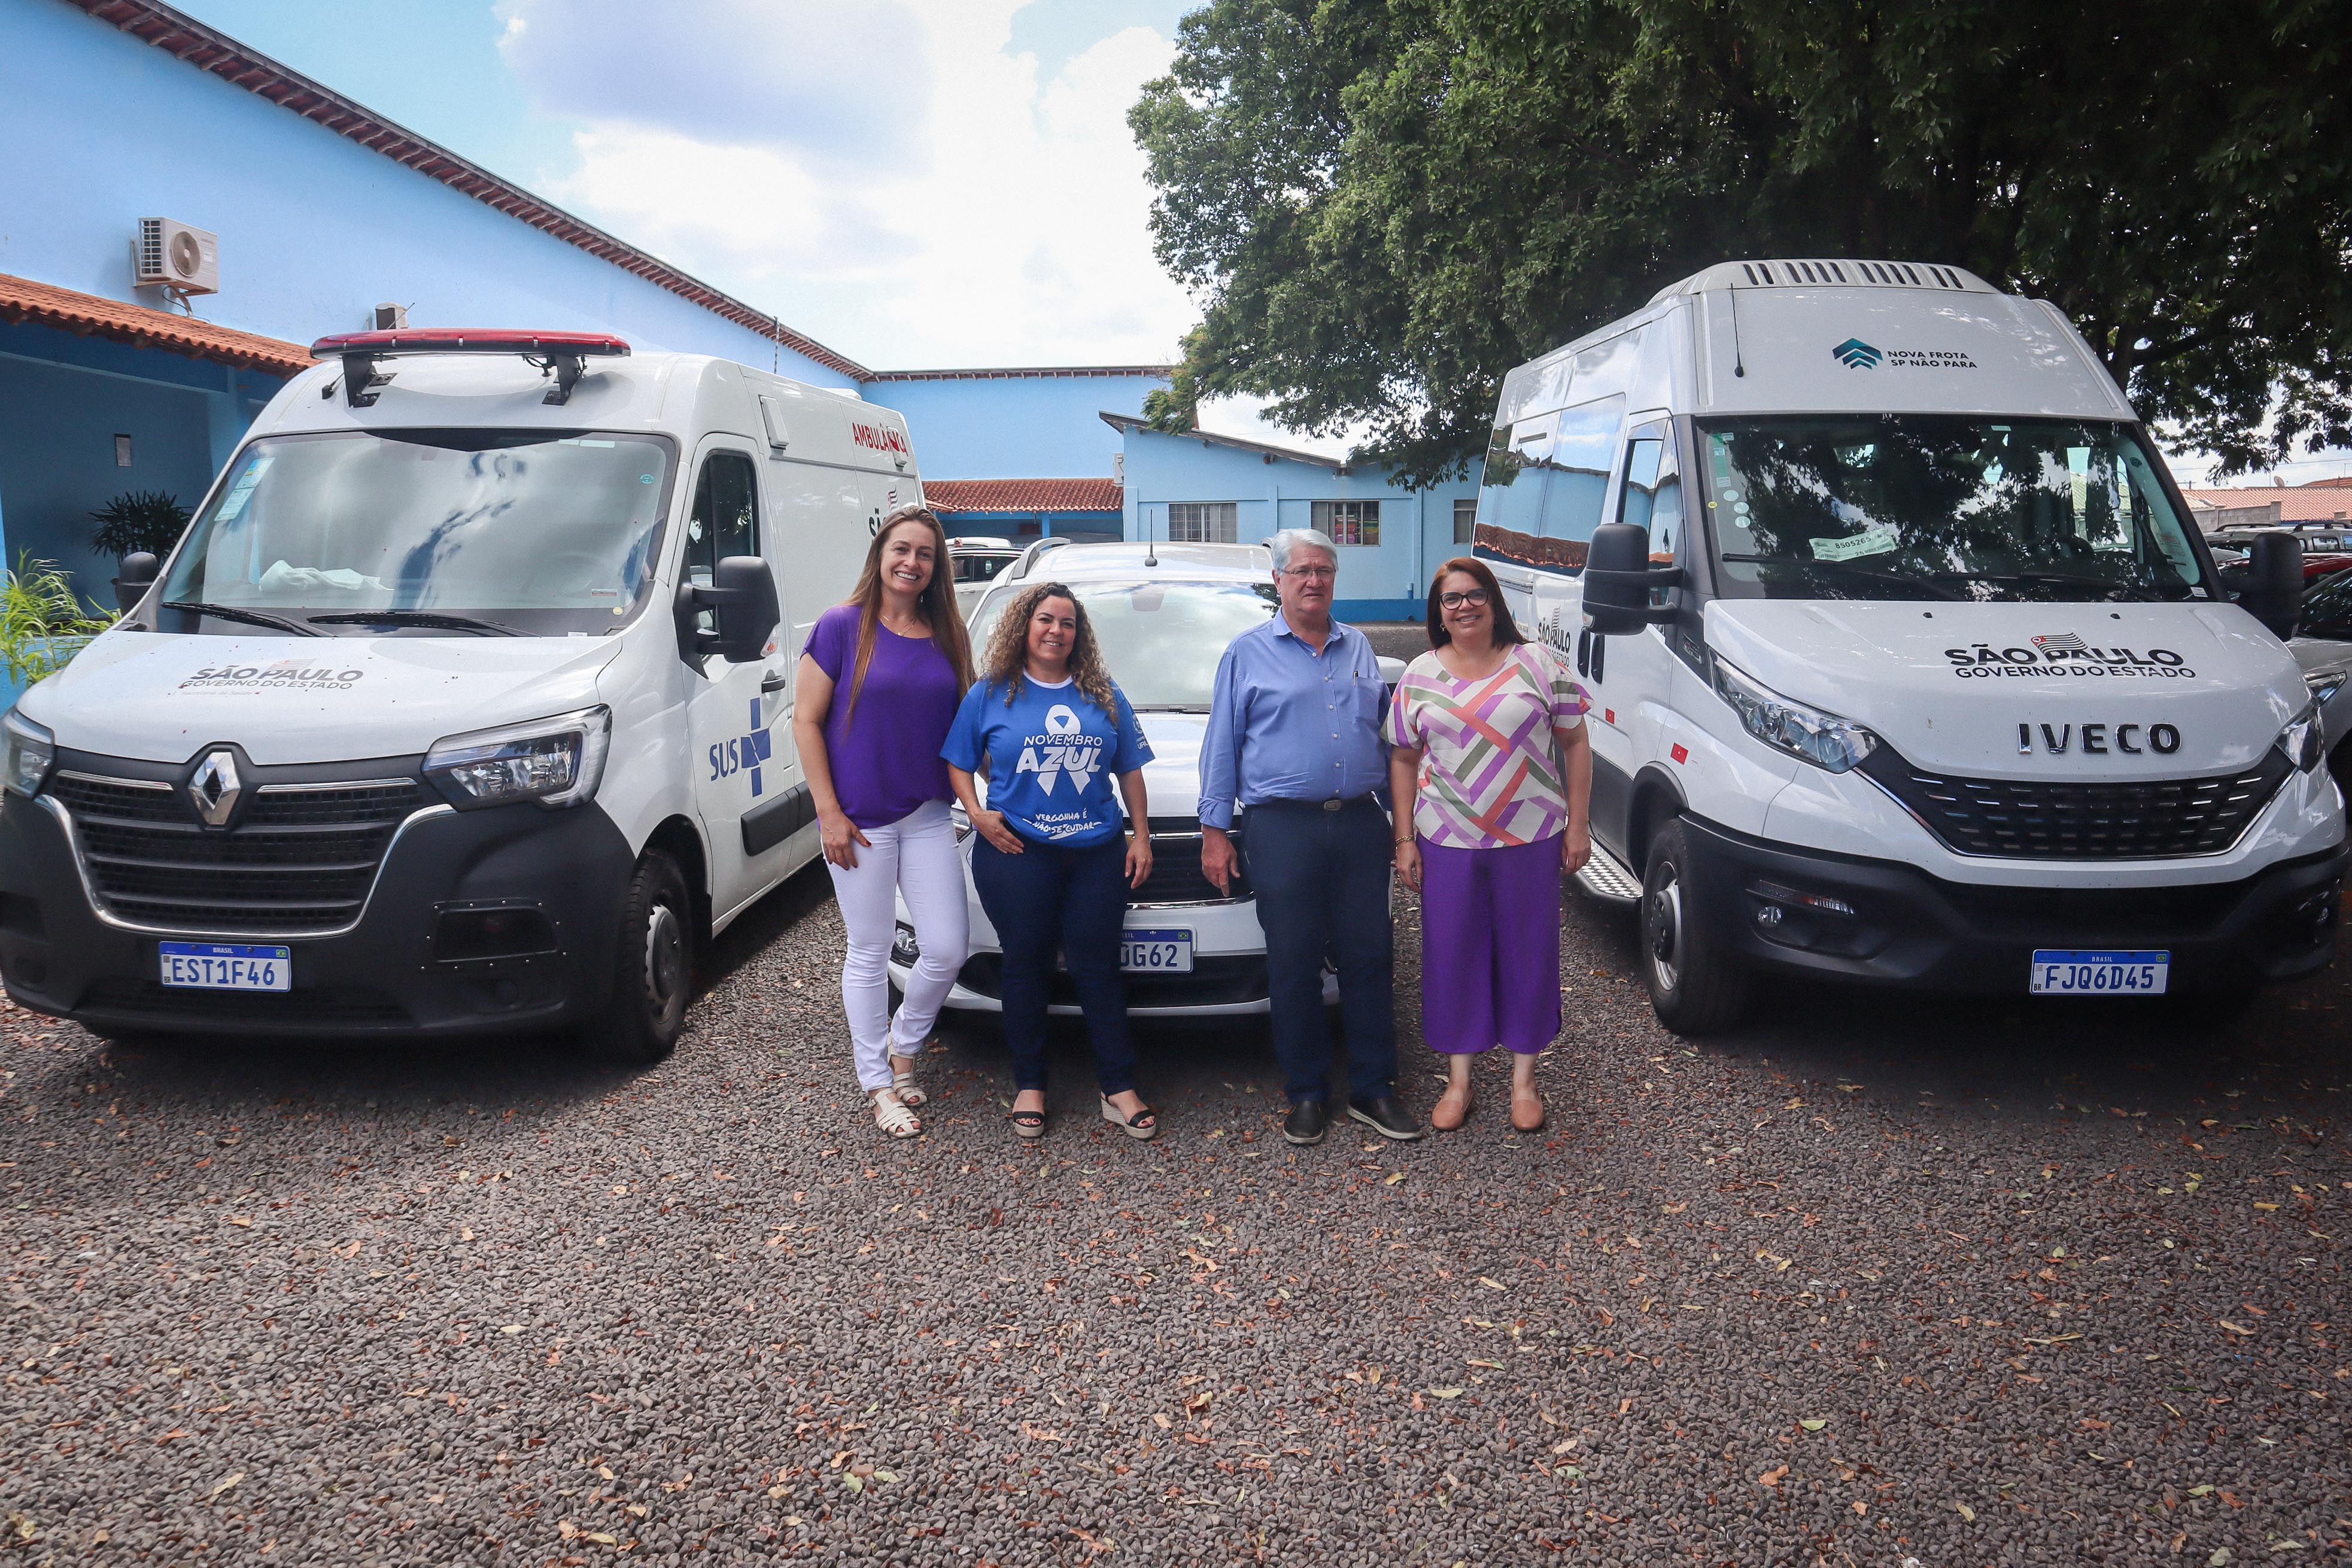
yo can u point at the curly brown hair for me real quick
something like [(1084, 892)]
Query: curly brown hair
[(1008, 649)]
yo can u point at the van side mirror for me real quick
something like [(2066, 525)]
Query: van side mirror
[(1618, 578), (741, 599), (138, 575), (2272, 584)]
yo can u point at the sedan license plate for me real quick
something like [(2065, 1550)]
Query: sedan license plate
[(1155, 952), (2059, 971), (227, 966)]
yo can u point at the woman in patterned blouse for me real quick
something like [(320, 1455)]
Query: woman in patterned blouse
[(1492, 773)]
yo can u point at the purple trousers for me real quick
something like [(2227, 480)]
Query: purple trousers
[(1490, 947)]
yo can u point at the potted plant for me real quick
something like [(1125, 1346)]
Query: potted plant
[(42, 623), (136, 520)]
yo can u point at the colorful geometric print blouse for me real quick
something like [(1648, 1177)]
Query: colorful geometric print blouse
[(1489, 768)]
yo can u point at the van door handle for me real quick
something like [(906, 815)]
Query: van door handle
[(772, 682)]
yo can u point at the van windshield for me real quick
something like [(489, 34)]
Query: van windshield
[(1161, 640), (541, 531), (1942, 507)]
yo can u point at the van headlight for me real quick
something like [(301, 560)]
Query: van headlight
[(1821, 739), (2300, 740), (555, 761), (32, 752)]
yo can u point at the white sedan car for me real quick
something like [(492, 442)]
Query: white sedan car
[(1163, 613)]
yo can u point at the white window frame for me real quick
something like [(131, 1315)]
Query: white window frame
[(1204, 522), (1466, 519), (1345, 523)]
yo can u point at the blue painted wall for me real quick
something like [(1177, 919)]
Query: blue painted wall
[(1382, 583), (102, 130), (1014, 427)]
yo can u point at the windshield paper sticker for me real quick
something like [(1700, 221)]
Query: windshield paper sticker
[(2062, 653), (1875, 540), (285, 675), (233, 504)]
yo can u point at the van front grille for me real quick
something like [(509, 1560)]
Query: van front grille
[(2108, 819), (301, 860)]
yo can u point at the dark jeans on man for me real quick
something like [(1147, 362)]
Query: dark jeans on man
[(1322, 884), (1051, 897)]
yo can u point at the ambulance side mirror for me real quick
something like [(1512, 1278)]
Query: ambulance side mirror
[(1618, 578), (741, 599), (138, 575), (2273, 590)]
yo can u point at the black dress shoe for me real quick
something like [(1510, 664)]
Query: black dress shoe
[(1305, 1123), (1385, 1117)]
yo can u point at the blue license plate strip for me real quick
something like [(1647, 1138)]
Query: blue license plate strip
[(225, 966), (2066, 972)]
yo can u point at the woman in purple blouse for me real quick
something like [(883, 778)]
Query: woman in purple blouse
[(879, 686)]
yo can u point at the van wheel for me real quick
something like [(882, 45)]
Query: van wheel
[(1695, 986), (653, 968)]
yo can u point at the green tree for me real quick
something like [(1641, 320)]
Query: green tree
[(1387, 204)]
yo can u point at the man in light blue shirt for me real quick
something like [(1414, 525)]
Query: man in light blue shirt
[(1294, 740)]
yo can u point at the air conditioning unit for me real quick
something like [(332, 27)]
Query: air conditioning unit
[(176, 256), (390, 318)]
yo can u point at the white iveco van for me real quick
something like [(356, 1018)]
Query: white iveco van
[(1906, 664), (462, 707)]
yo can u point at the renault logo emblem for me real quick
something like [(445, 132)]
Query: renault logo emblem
[(215, 787)]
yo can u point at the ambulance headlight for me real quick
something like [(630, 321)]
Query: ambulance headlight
[(555, 761), (2300, 740), (32, 750), (1821, 739)]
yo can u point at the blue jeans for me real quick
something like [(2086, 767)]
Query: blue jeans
[(1051, 897), (1322, 883)]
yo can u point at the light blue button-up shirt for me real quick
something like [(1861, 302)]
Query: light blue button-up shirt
[(1288, 723)]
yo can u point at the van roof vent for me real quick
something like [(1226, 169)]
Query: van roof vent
[(1819, 274)]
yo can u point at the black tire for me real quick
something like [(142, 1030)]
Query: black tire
[(1696, 985), (653, 968)]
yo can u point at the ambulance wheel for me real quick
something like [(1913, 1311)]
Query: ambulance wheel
[(653, 968), (1696, 985)]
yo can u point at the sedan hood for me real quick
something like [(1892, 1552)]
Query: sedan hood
[(2093, 690), (160, 697)]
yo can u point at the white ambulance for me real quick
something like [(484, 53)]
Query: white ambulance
[(461, 708), (1907, 665)]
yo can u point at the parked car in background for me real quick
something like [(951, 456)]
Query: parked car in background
[(2322, 646), (978, 562), (1163, 615)]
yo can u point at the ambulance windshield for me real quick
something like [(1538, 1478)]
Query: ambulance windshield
[(538, 532), (1942, 507)]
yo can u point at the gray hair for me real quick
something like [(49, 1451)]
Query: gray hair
[(1290, 540)]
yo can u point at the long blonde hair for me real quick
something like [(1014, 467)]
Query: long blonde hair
[(937, 600), (1008, 649)]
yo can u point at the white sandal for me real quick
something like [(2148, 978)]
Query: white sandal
[(902, 1082), (891, 1115)]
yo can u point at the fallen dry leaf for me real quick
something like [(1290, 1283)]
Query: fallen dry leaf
[(224, 1483), (1965, 1511), (1773, 1476), (1445, 1394)]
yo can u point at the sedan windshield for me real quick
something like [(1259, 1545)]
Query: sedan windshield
[(1161, 640), (545, 532), (1943, 507)]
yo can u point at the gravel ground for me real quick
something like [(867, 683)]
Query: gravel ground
[(1869, 1283)]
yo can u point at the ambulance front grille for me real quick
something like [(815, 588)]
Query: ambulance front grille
[(2106, 819), (301, 860)]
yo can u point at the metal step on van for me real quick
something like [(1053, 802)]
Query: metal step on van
[(461, 708), (1907, 663)]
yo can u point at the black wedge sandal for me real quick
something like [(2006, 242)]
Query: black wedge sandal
[(1143, 1126)]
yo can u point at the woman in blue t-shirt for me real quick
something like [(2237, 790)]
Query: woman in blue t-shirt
[(1049, 730)]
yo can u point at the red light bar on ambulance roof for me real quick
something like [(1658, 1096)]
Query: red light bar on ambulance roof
[(557, 353)]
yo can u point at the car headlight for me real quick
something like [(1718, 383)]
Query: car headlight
[(1821, 739), (555, 761), (2324, 684), (32, 752), (2300, 740)]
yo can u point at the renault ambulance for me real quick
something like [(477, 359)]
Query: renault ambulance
[(461, 708), (1907, 665)]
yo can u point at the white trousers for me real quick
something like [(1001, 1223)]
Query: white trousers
[(915, 855)]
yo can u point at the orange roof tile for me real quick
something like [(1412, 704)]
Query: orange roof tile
[(22, 300), (1023, 495), (2297, 503)]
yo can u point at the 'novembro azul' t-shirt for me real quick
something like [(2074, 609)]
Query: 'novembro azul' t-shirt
[(1052, 756)]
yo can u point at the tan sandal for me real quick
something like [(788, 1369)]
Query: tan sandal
[(891, 1115), (1452, 1109), (902, 1080), (1526, 1093)]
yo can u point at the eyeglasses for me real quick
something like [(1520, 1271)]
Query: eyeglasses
[(1313, 573), (1456, 600)]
